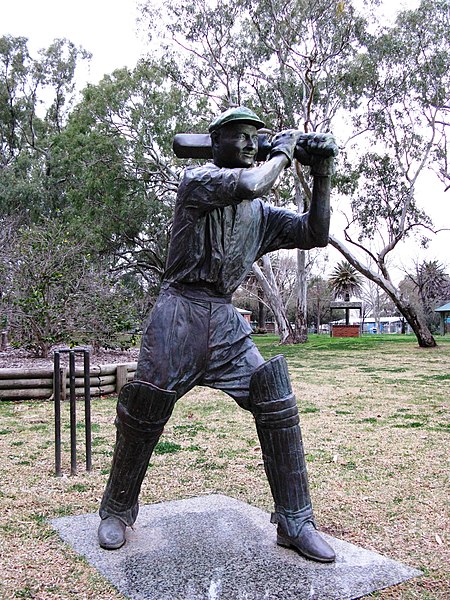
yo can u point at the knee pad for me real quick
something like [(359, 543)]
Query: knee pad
[(143, 409), (272, 401)]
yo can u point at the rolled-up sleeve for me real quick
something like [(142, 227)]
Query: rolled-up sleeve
[(287, 229), (209, 187)]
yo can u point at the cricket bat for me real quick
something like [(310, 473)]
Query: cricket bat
[(198, 145)]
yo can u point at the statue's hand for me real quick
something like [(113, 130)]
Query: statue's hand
[(285, 142), (318, 151)]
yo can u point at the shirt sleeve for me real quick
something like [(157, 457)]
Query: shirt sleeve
[(285, 229), (209, 187)]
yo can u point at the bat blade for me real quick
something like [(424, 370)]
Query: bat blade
[(192, 145), (198, 145)]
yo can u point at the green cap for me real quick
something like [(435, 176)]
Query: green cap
[(239, 114)]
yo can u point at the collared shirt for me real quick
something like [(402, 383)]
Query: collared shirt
[(217, 236)]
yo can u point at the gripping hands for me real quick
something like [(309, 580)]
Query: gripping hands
[(318, 151), (285, 142), (314, 149)]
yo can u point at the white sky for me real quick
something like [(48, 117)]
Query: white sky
[(108, 29)]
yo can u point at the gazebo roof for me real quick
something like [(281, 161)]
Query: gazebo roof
[(345, 304), (443, 308), (243, 311)]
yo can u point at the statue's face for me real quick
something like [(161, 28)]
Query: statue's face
[(235, 145)]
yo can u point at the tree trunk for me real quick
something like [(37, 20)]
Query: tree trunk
[(318, 313), (418, 325), (301, 326), (377, 311), (267, 281), (424, 336), (262, 311), (347, 310)]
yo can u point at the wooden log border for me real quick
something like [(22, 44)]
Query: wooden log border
[(37, 384)]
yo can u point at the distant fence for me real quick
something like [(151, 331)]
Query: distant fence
[(34, 384)]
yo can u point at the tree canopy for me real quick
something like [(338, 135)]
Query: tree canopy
[(102, 169), (318, 65)]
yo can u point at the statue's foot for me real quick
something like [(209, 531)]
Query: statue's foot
[(111, 533), (309, 543)]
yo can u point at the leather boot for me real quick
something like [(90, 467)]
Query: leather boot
[(277, 423), (142, 411), (111, 533)]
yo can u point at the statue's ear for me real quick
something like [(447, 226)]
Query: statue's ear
[(214, 139)]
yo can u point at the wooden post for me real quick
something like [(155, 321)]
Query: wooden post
[(73, 414), (121, 377), (34, 383), (87, 408), (57, 403), (63, 384)]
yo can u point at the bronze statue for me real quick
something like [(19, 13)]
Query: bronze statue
[(194, 335)]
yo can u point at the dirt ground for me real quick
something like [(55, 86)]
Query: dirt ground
[(12, 358)]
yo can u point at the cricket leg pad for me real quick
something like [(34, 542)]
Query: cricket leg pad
[(277, 422), (142, 411)]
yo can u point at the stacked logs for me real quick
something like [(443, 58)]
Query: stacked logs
[(34, 384)]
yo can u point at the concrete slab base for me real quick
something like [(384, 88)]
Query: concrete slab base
[(217, 548)]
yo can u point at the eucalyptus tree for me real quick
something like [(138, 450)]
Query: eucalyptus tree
[(305, 48), (319, 301), (316, 64), (405, 115), (121, 175), (285, 60), (36, 94), (54, 293), (377, 304), (104, 174)]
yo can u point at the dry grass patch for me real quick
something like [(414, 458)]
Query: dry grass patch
[(375, 425)]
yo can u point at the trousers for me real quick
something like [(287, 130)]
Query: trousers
[(192, 339)]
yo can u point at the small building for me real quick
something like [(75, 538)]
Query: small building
[(444, 313), (346, 328), (245, 313), (386, 325), (369, 324)]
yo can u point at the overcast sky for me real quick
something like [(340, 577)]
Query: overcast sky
[(108, 29)]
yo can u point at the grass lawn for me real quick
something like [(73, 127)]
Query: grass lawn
[(375, 421)]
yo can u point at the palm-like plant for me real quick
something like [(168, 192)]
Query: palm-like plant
[(345, 282)]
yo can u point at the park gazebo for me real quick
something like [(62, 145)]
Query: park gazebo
[(347, 329), (444, 312)]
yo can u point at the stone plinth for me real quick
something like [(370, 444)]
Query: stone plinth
[(217, 548)]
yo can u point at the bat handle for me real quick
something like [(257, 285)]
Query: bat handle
[(264, 147)]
